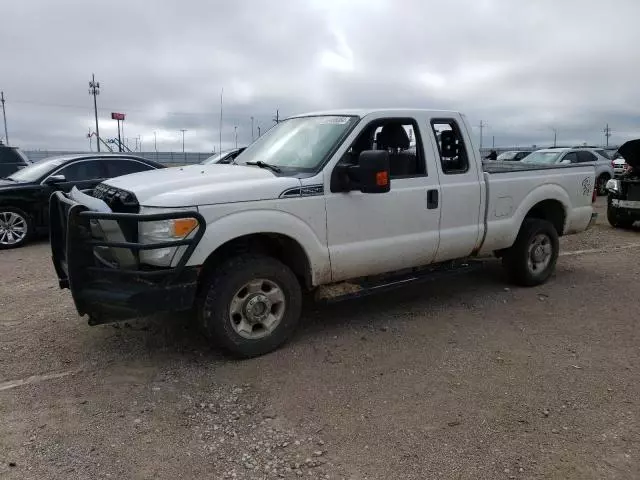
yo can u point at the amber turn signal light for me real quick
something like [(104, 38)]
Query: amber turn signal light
[(382, 179), (184, 226)]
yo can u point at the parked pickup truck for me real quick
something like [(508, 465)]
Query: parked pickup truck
[(623, 202), (320, 199)]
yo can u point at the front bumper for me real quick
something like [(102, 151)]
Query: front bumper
[(629, 209), (108, 291)]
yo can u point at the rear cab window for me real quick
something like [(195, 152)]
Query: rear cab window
[(454, 158)]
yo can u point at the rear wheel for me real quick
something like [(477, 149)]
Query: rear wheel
[(601, 184), (15, 227), (618, 221), (532, 258), (250, 305)]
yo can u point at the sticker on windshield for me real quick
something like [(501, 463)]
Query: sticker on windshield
[(334, 121)]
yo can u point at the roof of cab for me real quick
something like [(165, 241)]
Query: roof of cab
[(363, 112)]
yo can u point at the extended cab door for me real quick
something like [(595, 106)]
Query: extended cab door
[(370, 234), (461, 186)]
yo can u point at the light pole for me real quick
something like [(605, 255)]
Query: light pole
[(4, 117), (155, 142), (94, 89), (235, 131), (184, 154), (555, 136)]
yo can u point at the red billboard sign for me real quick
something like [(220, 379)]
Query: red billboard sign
[(117, 116)]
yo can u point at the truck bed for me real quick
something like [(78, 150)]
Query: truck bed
[(493, 167)]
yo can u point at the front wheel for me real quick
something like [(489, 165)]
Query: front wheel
[(250, 305), (532, 258)]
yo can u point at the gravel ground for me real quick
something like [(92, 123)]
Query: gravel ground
[(465, 378)]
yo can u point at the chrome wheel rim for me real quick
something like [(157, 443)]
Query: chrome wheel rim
[(13, 228), (539, 253), (257, 309)]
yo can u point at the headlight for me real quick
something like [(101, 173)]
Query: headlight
[(164, 231), (613, 185)]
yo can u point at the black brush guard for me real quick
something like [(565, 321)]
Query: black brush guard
[(106, 292)]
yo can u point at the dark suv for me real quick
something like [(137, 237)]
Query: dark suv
[(11, 160), (623, 205)]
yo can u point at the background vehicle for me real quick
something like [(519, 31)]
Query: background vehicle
[(11, 160), (513, 155), (619, 165), (317, 200), (562, 155), (24, 196), (623, 202), (224, 157)]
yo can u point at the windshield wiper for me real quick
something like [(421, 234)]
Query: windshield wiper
[(268, 166)]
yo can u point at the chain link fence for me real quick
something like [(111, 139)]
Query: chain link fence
[(166, 158)]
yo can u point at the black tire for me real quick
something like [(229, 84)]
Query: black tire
[(601, 184), (516, 259), (616, 220), (222, 287), (25, 218)]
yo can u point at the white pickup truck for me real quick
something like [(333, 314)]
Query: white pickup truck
[(319, 199)]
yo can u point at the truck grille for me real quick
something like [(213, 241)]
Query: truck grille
[(118, 200)]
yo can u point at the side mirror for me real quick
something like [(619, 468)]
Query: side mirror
[(373, 171), (369, 175), (55, 179)]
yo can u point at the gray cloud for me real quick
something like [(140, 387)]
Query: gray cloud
[(524, 68)]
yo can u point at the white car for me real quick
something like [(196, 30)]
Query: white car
[(577, 155), (337, 203)]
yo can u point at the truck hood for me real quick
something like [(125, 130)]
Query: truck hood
[(630, 151), (203, 185)]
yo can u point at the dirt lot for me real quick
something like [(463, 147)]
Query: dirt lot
[(463, 378)]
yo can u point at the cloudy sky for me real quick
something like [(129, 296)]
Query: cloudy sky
[(523, 67)]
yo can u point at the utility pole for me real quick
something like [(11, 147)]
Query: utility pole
[(258, 131), (220, 127), (94, 89), (482, 125), (252, 129), (493, 141), (235, 131), (555, 137), (607, 132), (4, 117), (155, 142), (277, 117)]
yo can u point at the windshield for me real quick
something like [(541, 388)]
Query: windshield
[(506, 156), (542, 157), (36, 170), (298, 144)]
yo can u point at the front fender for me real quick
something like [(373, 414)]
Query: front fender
[(239, 224)]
